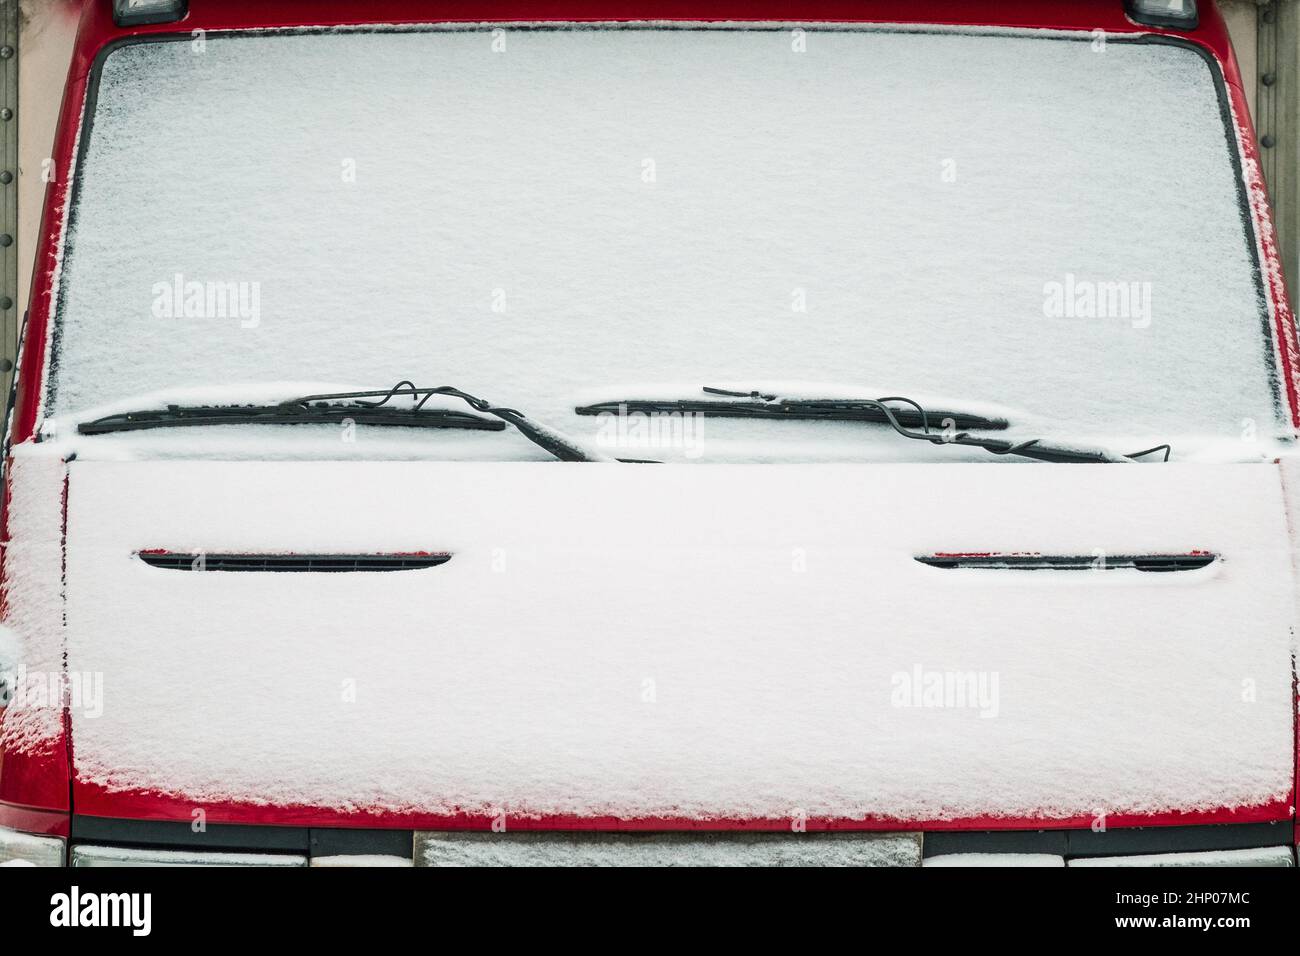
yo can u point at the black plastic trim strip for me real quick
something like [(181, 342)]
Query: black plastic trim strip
[(1119, 841), (346, 841), (313, 563), (1069, 562), (169, 834)]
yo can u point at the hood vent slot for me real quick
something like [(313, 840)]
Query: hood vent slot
[(1071, 562), (204, 561)]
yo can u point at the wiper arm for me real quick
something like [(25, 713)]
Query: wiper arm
[(541, 435), (288, 413), (758, 405), (1036, 448)]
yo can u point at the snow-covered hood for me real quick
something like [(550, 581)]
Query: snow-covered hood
[(712, 641)]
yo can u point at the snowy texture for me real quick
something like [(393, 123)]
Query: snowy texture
[(715, 641), (1264, 856), (667, 849), (10, 650), (995, 859), (598, 206), (34, 597)]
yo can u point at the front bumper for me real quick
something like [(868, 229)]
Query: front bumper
[(100, 841)]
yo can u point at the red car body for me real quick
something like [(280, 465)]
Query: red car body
[(39, 791)]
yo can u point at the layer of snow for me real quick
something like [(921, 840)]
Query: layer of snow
[(715, 641), (995, 859), (34, 598), (781, 178), (11, 653), (667, 849), (1263, 856)]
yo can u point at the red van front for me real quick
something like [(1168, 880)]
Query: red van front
[(830, 303)]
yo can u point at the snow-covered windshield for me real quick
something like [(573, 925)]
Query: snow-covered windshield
[(547, 216)]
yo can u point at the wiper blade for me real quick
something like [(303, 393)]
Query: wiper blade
[(758, 405), (289, 413), (897, 418)]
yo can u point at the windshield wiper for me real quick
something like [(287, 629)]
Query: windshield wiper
[(910, 421), (759, 405), (288, 413), (338, 407)]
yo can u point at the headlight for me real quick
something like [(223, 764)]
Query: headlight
[(366, 861), (86, 855), (28, 849)]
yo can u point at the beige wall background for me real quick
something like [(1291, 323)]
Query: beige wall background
[(47, 29), (1241, 16)]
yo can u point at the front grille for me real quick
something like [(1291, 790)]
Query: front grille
[(207, 561)]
